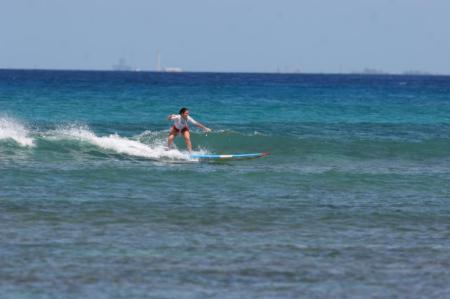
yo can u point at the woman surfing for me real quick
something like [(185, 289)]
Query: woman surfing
[(180, 125)]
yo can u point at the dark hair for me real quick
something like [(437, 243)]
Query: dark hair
[(182, 110)]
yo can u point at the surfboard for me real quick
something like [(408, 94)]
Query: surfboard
[(231, 157)]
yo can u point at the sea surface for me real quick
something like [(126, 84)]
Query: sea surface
[(352, 202)]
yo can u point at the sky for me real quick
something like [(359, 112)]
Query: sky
[(311, 36)]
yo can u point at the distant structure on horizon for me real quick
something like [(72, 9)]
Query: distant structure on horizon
[(158, 61), (288, 70), (371, 71), (416, 73), (158, 67), (122, 66)]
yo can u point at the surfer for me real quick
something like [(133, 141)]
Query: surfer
[(181, 121)]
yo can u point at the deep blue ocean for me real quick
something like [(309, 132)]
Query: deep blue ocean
[(352, 202)]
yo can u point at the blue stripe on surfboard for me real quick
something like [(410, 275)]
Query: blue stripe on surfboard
[(234, 156)]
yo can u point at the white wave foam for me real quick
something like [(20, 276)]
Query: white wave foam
[(122, 145), (149, 133), (12, 129)]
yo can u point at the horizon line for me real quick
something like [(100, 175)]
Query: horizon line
[(363, 73)]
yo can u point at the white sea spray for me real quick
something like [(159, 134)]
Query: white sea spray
[(15, 130)]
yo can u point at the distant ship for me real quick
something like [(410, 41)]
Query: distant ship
[(172, 70), (158, 67)]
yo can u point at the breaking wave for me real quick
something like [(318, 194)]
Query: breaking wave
[(11, 129)]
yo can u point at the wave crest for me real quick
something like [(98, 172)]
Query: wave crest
[(14, 130), (118, 144)]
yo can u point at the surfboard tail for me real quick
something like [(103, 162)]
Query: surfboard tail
[(233, 156)]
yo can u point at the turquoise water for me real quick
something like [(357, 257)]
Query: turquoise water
[(352, 202)]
